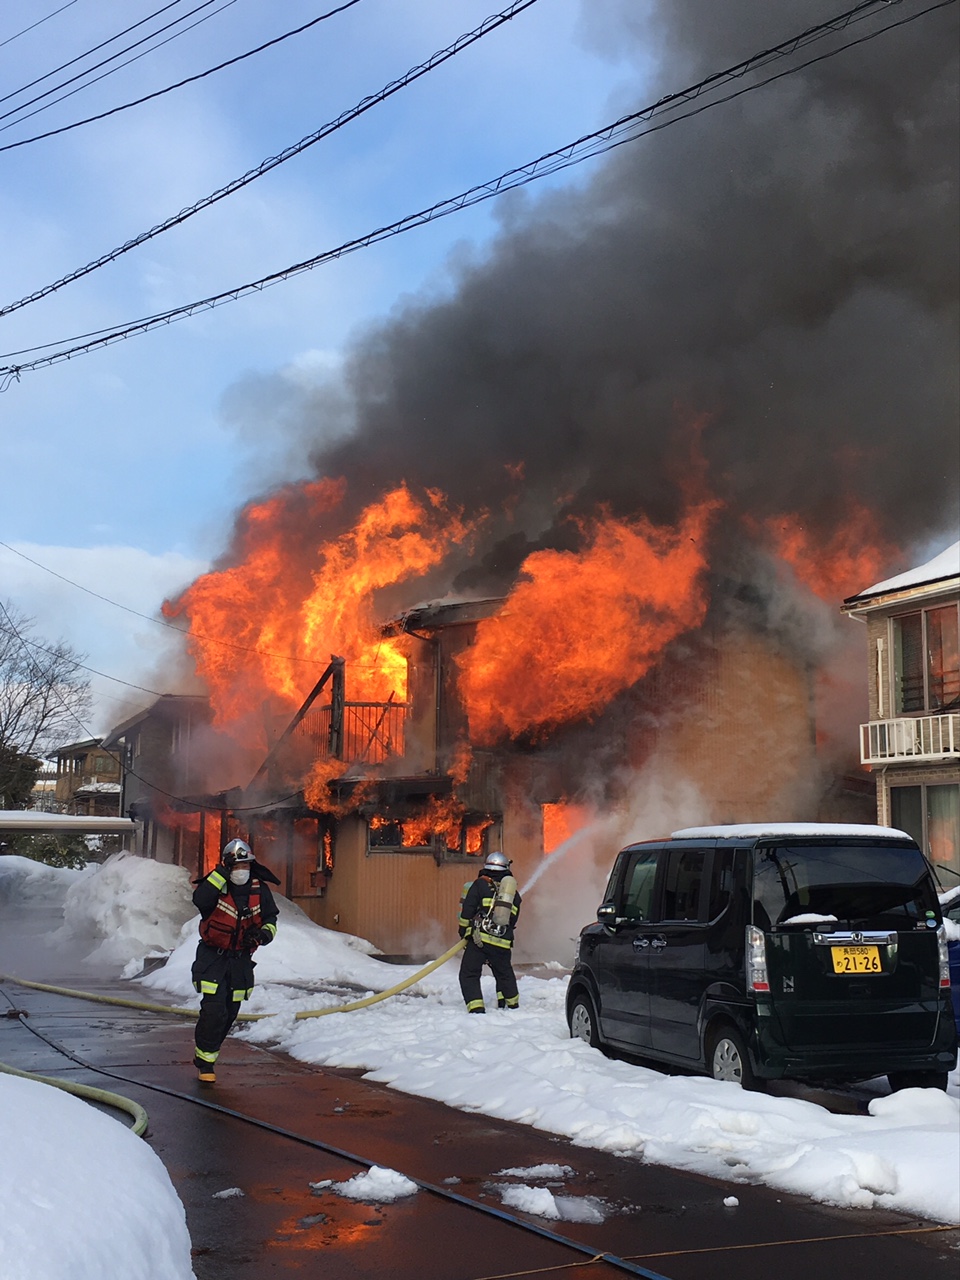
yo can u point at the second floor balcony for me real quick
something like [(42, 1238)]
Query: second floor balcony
[(916, 739)]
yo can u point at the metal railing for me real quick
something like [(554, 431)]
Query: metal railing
[(920, 738), (372, 731)]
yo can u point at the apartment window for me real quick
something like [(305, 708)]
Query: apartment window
[(926, 651), (930, 812)]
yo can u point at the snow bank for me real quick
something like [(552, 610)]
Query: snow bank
[(127, 909), (82, 1197), (302, 953), (23, 880)]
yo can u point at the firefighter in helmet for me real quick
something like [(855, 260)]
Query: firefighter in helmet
[(238, 914), (489, 907)]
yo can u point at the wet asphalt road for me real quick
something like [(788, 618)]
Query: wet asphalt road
[(672, 1224)]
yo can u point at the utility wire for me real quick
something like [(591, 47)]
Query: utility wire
[(463, 42), (286, 657), (215, 13), (38, 23), (213, 808), (616, 134), (159, 93), (89, 52), (72, 662)]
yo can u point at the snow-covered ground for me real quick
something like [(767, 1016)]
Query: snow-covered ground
[(521, 1065), (83, 1199)]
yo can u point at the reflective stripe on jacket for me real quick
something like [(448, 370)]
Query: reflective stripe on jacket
[(476, 901), (223, 928)]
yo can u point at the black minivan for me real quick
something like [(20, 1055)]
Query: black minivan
[(760, 952)]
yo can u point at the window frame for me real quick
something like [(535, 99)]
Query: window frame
[(895, 651)]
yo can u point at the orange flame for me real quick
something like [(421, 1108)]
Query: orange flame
[(582, 627), (850, 558), (560, 822), (264, 628)]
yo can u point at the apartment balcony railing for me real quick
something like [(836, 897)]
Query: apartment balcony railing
[(921, 739)]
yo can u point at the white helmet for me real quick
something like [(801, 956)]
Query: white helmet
[(497, 861), (236, 851)]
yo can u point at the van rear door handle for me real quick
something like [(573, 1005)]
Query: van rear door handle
[(659, 941), (640, 941)]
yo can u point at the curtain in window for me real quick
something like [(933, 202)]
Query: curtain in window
[(943, 825)]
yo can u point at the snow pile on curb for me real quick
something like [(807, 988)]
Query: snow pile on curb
[(82, 1197), (24, 880), (127, 909)]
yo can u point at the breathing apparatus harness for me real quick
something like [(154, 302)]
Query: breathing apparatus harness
[(496, 920)]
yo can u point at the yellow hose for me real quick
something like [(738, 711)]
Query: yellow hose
[(124, 1004), (242, 1017), (392, 991), (90, 1095)]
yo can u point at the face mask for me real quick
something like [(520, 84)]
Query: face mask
[(239, 875)]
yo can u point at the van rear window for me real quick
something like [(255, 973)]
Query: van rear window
[(869, 886)]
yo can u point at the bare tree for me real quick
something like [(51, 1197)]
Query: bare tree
[(44, 698)]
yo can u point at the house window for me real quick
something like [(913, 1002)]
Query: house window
[(926, 652), (931, 814), (470, 838)]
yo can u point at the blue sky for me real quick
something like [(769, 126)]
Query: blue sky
[(122, 467)]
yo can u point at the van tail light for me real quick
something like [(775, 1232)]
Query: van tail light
[(756, 953), (944, 957)]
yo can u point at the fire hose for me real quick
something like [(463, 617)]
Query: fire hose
[(89, 1094), (243, 1017)]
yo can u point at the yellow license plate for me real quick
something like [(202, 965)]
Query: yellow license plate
[(856, 960)]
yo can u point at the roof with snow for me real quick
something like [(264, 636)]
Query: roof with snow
[(932, 575)]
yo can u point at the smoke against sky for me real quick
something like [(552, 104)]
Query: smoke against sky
[(784, 264)]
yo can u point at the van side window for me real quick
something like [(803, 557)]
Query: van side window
[(681, 884), (638, 886), (721, 883)]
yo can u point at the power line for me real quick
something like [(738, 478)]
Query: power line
[(463, 42), (96, 49), (212, 808), (38, 23), (119, 67), (189, 633), (136, 102), (74, 662), (602, 140)]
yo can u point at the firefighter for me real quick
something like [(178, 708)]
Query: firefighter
[(489, 907), (238, 914)]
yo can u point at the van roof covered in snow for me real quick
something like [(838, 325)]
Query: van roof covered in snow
[(757, 830)]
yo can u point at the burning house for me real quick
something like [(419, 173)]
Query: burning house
[(635, 452)]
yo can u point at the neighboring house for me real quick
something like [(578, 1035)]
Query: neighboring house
[(374, 814), (44, 795), (912, 740), (162, 761), (88, 779)]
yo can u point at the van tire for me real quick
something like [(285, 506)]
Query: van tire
[(898, 1080), (584, 1023), (728, 1058)]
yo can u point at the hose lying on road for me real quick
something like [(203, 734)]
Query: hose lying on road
[(243, 1017), (391, 991), (89, 1094)]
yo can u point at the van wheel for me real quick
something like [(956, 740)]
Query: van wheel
[(583, 1022), (729, 1060), (898, 1080)]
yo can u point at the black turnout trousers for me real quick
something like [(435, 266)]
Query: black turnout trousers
[(471, 966)]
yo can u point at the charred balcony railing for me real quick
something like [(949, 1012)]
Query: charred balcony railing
[(369, 732), (919, 739)]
